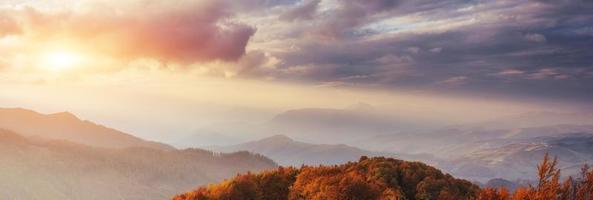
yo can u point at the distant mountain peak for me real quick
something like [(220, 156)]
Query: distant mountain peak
[(64, 115), (278, 138), (67, 126), (23, 111), (18, 110)]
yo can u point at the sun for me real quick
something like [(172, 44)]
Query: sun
[(61, 59)]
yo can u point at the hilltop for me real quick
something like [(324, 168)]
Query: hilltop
[(369, 178)]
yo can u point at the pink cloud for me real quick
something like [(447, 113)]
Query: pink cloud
[(186, 32), (510, 72), (455, 81), (547, 73), (8, 25)]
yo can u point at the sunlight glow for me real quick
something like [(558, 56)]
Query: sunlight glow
[(61, 60)]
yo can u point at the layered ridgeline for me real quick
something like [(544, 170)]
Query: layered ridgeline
[(66, 126), (61, 157), (50, 169), (289, 152), (478, 151), (367, 179)]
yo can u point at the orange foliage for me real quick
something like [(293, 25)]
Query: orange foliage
[(368, 179), (494, 194), (548, 186), (387, 179)]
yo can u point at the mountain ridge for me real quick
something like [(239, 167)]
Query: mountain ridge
[(35, 168), (67, 126), (289, 152)]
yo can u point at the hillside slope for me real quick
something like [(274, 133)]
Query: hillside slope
[(66, 126), (289, 152), (367, 179), (516, 160), (36, 169)]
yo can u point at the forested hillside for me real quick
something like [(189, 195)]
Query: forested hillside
[(33, 168), (374, 178), (388, 179)]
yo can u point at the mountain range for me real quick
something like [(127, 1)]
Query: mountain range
[(519, 159), (55, 152), (339, 125), (66, 126), (329, 125), (289, 152), (332, 136), (102, 163)]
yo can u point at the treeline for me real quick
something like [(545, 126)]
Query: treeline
[(374, 178), (548, 187)]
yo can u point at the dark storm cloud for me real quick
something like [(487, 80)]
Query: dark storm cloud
[(305, 11), (349, 15), (549, 44)]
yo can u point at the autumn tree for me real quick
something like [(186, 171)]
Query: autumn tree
[(367, 179), (494, 194), (548, 186)]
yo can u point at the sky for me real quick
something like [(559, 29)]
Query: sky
[(150, 66)]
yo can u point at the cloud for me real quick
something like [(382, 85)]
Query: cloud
[(379, 43), (586, 31), (419, 43), (347, 15), (547, 73), (510, 72), (254, 64), (8, 25), (184, 32), (301, 12), (455, 81), (436, 50), (413, 50), (535, 37)]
